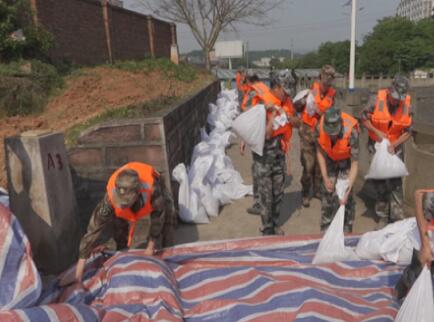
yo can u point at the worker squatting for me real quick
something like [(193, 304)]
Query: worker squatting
[(329, 150)]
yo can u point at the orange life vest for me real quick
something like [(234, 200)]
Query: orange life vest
[(146, 175), (323, 104), (391, 125), (342, 149), (265, 96), (239, 79)]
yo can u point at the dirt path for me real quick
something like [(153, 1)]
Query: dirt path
[(235, 222), (94, 91)]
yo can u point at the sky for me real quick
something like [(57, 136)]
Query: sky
[(305, 23)]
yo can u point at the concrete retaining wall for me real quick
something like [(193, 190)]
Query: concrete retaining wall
[(162, 141)]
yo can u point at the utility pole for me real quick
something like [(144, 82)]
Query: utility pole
[(353, 45), (292, 49)]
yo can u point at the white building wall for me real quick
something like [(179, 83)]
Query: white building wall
[(415, 10)]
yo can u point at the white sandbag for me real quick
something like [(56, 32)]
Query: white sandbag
[(190, 210), (300, 95), (393, 243), (332, 246), (385, 165), (209, 201), (250, 126), (311, 107), (418, 306)]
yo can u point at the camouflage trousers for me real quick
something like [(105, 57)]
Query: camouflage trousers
[(330, 205), (270, 170), (255, 177), (389, 202), (390, 197), (311, 177)]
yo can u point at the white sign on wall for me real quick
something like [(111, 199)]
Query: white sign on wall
[(229, 49)]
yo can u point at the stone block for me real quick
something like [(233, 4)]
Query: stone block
[(82, 157), (106, 134), (152, 132), (42, 197), (118, 156)]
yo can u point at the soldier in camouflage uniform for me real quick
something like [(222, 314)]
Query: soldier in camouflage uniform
[(337, 140), (424, 204), (324, 95), (106, 224), (389, 194)]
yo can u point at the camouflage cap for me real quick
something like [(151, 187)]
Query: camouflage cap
[(283, 79), (127, 186), (333, 121), (400, 87), (328, 71)]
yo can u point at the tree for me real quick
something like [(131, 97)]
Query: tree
[(398, 45), (16, 17), (208, 18)]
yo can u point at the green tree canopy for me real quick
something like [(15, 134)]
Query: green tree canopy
[(15, 15)]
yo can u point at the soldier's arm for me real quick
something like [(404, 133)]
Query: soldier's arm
[(406, 135), (365, 118), (354, 143), (158, 216), (425, 255), (99, 228)]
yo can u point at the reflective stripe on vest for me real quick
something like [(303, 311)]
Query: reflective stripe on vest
[(342, 149), (391, 125), (312, 121), (146, 176)]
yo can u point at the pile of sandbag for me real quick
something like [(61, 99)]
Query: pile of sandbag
[(211, 180)]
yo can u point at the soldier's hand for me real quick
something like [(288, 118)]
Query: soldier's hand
[(242, 147), (391, 149), (381, 136), (344, 200), (98, 249), (329, 184), (425, 256)]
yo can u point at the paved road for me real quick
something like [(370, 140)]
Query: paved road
[(235, 222)]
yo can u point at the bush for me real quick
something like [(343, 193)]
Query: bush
[(182, 72), (25, 87)]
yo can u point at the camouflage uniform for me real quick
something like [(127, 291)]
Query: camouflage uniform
[(390, 197), (311, 176), (104, 224), (271, 172), (329, 200)]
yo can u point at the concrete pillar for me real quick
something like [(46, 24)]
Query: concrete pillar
[(42, 197)]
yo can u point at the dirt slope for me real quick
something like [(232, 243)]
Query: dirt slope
[(94, 91)]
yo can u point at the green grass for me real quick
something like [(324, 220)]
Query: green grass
[(128, 112), (181, 72)]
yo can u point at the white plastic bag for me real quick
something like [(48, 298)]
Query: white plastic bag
[(385, 165), (332, 246), (250, 126), (418, 306), (311, 107), (189, 208), (393, 243)]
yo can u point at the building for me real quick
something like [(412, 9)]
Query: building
[(117, 3), (415, 10)]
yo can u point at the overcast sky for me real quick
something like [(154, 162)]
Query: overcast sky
[(307, 23)]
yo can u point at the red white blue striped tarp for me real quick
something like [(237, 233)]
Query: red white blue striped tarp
[(20, 285), (259, 279)]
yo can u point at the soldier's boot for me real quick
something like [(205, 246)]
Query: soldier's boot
[(306, 202), (256, 209), (268, 231), (348, 229)]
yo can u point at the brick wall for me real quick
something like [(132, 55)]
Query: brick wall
[(81, 37), (162, 142)]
